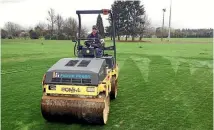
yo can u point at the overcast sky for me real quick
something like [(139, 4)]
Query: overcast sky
[(185, 13)]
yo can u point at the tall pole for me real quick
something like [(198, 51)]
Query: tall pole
[(164, 10), (170, 20)]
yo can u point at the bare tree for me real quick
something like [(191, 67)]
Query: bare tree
[(148, 29), (150, 32), (59, 23), (9, 26), (42, 25), (83, 32), (144, 26), (161, 32), (24, 35), (13, 29), (40, 28), (51, 19), (4, 34), (70, 27)]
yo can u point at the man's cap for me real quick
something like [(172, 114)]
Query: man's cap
[(94, 26)]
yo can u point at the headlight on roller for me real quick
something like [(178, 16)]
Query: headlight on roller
[(87, 51), (90, 89), (52, 87)]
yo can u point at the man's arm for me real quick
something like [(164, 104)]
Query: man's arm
[(99, 36)]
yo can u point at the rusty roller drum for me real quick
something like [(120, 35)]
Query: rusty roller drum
[(90, 110)]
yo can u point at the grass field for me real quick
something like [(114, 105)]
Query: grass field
[(161, 86)]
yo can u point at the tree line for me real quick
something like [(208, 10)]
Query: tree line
[(56, 28), (185, 33), (131, 21)]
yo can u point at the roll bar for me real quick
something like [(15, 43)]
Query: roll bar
[(104, 12)]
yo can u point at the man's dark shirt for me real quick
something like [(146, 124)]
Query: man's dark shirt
[(97, 41)]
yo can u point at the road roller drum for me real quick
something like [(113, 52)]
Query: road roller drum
[(89, 110)]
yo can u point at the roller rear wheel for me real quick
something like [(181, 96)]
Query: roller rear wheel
[(113, 93)]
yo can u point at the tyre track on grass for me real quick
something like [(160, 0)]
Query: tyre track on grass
[(46, 67), (20, 79), (129, 82), (185, 92), (164, 96), (25, 70), (160, 78), (142, 99), (30, 67), (147, 96)]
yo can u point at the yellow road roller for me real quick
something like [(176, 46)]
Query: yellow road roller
[(82, 87)]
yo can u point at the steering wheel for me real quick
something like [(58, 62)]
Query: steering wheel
[(90, 42)]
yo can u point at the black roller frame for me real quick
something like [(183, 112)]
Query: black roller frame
[(79, 12)]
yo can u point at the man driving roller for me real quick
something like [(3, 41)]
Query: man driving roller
[(97, 37)]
